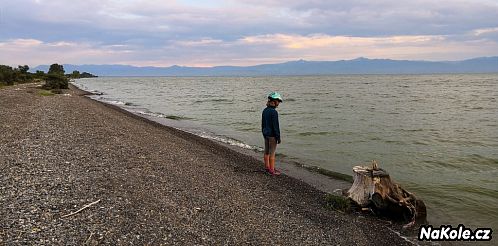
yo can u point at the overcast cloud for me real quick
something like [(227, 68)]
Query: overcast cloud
[(164, 33)]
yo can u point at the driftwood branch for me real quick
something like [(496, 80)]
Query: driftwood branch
[(81, 209)]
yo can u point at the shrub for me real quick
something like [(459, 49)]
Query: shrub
[(39, 75), (56, 81), (7, 75), (339, 203), (56, 69), (57, 91), (45, 93)]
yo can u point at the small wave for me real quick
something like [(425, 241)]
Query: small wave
[(479, 160), (461, 142), (247, 129), (222, 100), (289, 113), (230, 141), (160, 115), (418, 100), (485, 120), (115, 102), (219, 100), (395, 142), (313, 133), (420, 143), (176, 117), (241, 123), (412, 130), (470, 190), (387, 96)]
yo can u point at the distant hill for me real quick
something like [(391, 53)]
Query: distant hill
[(301, 67)]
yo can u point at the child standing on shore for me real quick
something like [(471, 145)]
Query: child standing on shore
[(271, 131)]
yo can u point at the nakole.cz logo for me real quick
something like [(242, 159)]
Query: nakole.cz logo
[(448, 233)]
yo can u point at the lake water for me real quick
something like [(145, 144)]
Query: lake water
[(437, 135)]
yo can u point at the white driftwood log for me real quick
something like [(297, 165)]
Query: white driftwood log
[(373, 188)]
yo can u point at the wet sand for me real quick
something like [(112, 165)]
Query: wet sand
[(155, 184)]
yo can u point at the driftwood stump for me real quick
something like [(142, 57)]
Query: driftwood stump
[(373, 188)]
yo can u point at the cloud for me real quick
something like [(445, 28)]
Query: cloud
[(201, 42), (170, 19), (247, 50), (22, 43), (480, 32), (35, 52), (327, 47), (220, 32), (322, 40), (486, 33), (386, 17)]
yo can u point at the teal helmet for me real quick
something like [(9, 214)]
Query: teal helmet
[(275, 96)]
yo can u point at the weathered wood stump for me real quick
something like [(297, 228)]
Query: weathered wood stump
[(373, 188)]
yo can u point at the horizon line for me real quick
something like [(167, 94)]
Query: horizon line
[(298, 60)]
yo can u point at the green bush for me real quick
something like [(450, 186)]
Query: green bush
[(39, 75), (55, 81), (45, 93), (339, 203), (7, 75), (10, 76), (56, 69)]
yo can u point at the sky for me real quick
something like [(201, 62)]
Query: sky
[(243, 32)]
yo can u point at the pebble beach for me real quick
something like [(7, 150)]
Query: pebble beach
[(74, 171)]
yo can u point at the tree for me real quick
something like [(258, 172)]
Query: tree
[(39, 74), (55, 78), (76, 74), (23, 69), (7, 75), (87, 75), (56, 81), (56, 69)]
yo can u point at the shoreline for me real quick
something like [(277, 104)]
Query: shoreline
[(325, 180), (111, 154)]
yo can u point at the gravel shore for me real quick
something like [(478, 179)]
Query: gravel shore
[(154, 184)]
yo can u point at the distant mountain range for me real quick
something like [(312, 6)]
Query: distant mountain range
[(301, 67)]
